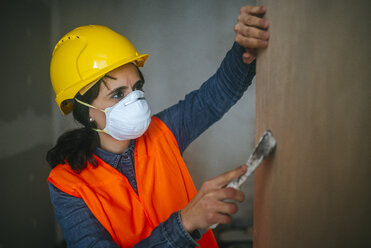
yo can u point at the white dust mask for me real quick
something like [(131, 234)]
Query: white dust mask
[(127, 119)]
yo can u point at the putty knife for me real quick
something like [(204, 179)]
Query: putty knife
[(265, 146)]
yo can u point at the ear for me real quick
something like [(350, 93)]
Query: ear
[(98, 117)]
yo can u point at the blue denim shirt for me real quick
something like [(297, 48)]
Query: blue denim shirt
[(187, 120)]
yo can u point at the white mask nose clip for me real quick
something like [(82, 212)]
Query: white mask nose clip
[(134, 100)]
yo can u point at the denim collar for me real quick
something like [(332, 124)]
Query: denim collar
[(113, 159)]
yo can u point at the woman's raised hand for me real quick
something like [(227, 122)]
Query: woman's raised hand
[(251, 31)]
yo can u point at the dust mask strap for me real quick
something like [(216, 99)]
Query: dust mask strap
[(91, 106)]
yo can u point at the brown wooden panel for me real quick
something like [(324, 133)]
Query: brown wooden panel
[(314, 92)]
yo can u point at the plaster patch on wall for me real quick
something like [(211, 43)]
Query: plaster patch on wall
[(26, 131)]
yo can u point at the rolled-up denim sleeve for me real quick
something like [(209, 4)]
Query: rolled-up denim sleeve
[(81, 229), (201, 108)]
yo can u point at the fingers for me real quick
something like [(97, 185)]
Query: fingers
[(208, 206), (204, 211), (215, 217), (223, 219), (227, 208), (251, 32), (249, 56), (255, 10), (215, 211), (220, 211), (227, 177), (250, 42), (213, 204), (253, 21), (228, 194)]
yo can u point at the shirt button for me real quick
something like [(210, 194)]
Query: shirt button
[(126, 156)]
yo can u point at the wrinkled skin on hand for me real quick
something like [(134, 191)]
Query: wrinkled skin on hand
[(251, 31)]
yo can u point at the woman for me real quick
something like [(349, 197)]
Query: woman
[(120, 181)]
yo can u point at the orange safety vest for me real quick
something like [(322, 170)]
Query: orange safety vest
[(164, 187)]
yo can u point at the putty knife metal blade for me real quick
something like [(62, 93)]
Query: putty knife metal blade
[(265, 146)]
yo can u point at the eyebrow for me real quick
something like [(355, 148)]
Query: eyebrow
[(104, 81), (118, 89), (110, 77), (140, 81)]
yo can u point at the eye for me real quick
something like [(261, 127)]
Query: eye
[(139, 86), (118, 94)]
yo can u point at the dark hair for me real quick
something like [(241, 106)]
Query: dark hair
[(76, 147)]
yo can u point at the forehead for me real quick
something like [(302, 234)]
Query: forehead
[(125, 75), (124, 71)]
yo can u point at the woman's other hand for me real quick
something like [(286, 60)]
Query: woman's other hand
[(208, 206), (251, 31)]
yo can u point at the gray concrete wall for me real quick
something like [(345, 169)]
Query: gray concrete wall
[(26, 217)]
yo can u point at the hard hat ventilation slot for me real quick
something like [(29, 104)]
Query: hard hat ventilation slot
[(65, 39)]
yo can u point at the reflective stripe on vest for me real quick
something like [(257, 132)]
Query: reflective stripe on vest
[(164, 187)]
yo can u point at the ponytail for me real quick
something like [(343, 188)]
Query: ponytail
[(77, 147)]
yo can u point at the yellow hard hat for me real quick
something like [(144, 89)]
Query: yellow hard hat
[(83, 56)]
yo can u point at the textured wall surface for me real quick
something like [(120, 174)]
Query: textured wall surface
[(314, 92), (26, 217)]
